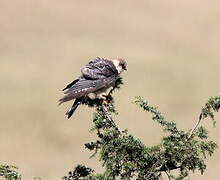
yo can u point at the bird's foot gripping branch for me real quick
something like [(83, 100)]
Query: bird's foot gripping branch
[(124, 156)]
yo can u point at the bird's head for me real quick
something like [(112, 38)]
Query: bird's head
[(120, 65)]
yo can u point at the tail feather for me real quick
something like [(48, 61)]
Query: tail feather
[(68, 97), (76, 103)]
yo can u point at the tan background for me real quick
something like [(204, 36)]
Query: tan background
[(172, 49)]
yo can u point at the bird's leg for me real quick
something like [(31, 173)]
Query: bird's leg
[(107, 98), (104, 102), (103, 97)]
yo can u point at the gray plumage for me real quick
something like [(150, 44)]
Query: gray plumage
[(96, 77)]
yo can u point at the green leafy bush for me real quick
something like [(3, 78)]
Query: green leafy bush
[(125, 157)]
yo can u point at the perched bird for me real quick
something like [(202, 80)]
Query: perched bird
[(96, 79)]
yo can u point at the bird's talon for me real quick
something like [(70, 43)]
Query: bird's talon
[(104, 102)]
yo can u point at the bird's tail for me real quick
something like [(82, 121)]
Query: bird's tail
[(76, 103)]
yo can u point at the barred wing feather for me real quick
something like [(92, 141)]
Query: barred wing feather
[(84, 87)]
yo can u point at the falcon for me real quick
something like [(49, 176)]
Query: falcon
[(96, 79)]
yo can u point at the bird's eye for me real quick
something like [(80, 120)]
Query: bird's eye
[(123, 66)]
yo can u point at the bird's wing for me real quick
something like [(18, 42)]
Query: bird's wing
[(99, 68), (97, 74), (85, 86), (96, 69), (71, 84)]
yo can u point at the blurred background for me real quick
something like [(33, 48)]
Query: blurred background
[(172, 50)]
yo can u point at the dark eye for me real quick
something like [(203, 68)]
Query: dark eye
[(123, 66)]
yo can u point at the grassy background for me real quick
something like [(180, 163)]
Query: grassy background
[(172, 49)]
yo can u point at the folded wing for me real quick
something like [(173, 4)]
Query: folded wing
[(99, 68), (85, 86)]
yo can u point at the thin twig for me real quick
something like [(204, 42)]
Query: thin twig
[(108, 116), (195, 127)]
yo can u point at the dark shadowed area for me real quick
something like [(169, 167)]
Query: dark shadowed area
[(172, 50)]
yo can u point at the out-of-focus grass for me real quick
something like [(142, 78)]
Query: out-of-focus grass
[(172, 49)]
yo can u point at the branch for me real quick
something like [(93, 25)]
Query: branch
[(107, 116), (195, 127), (212, 105), (124, 156)]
